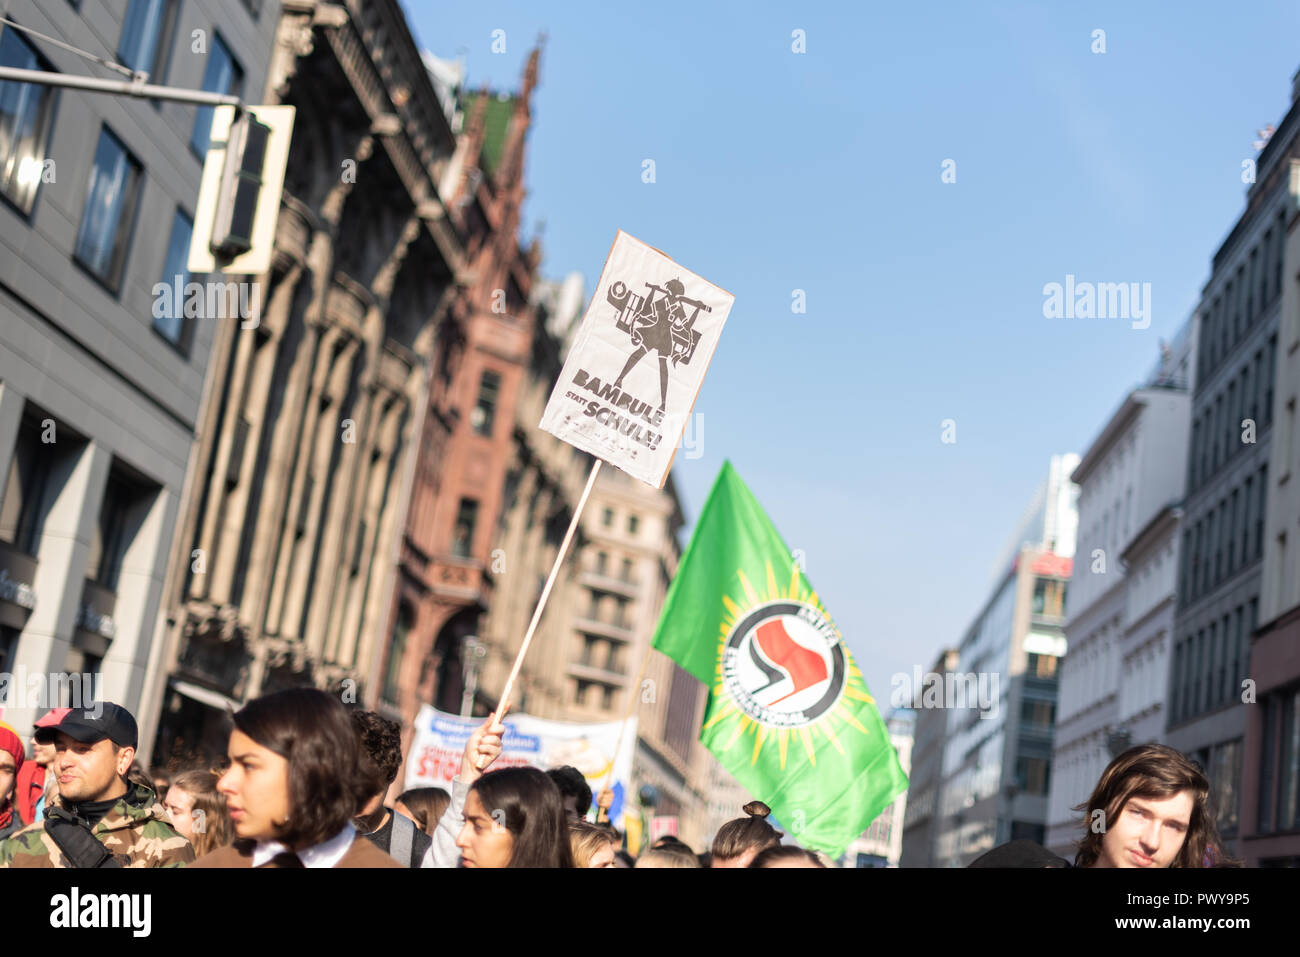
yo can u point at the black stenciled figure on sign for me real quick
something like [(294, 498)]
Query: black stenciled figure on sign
[(657, 322)]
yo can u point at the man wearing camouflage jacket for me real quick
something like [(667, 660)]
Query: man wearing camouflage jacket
[(98, 818)]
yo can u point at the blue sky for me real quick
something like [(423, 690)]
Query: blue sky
[(820, 171)]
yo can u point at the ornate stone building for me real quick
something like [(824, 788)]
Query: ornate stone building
[(282, 570), (444, 580), (544, 479)]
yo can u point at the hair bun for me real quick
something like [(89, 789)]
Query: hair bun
[(757, 809)]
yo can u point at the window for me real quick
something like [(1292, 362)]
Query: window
[(111, 535), (172, 324), (25, 111), (580, 692), (632, 523), (146, 36), (1176, 695), (602, 561), (1042, 666), (607, 519), (1232, 531), (22, 513), (1292, 321), (396, 651), (463, 537), (110, 210), (1049, 598), (8, 648), (1259, 512), (1288, 768), (627, 571), (1031, 775), (223, 75), (484, 413), (1269, 378), (1268, 763), (1224, 773), (1038, 715)]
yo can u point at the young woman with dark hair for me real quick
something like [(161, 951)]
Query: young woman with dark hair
[(514, 818), (738, 842), (296, 778)]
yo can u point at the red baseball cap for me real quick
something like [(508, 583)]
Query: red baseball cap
[(43, 729)]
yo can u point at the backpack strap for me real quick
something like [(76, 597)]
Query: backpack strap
[(403, 839)]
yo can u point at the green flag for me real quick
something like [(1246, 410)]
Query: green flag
[(789, 714)]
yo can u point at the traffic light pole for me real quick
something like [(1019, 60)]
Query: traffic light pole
[(136, 88)]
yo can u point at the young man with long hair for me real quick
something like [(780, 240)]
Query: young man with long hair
[(1150, 808)]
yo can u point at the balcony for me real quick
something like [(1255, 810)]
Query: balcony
[(459, 578), (602, 629), (17, 599), (597, 674), (607, 583), (95, 627)]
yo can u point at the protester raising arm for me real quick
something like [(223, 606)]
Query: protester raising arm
[(482, 748)]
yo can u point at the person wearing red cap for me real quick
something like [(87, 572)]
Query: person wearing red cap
[(11, 762), (37, 780)]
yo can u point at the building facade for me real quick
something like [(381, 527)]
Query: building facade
[(445, 578), (925, 777), (282, 572), (1227, 485), (101, 376), (1118, 628), (997, 755), (1270, 806)]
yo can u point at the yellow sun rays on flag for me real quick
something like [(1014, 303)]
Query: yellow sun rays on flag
[(842, 719)]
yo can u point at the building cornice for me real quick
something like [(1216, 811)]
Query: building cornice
[(1163, 522), (1109, 435)]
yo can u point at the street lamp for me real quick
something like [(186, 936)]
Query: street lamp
[(472, 653)]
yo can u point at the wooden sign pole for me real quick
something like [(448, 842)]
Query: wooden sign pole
[(546, 592)]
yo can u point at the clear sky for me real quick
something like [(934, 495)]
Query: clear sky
[(821, 171)]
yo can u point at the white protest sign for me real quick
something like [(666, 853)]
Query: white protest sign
[(439, 743), (638, 360)]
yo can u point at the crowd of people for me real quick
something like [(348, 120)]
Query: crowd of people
[(304, 780)]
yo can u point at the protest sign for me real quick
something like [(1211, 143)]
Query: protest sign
[(439, 743), (638, 360)]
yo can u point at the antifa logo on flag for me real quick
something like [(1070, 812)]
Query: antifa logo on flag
[(783, 664)]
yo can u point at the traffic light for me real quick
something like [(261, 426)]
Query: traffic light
[(239, 196), (241, 184)]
